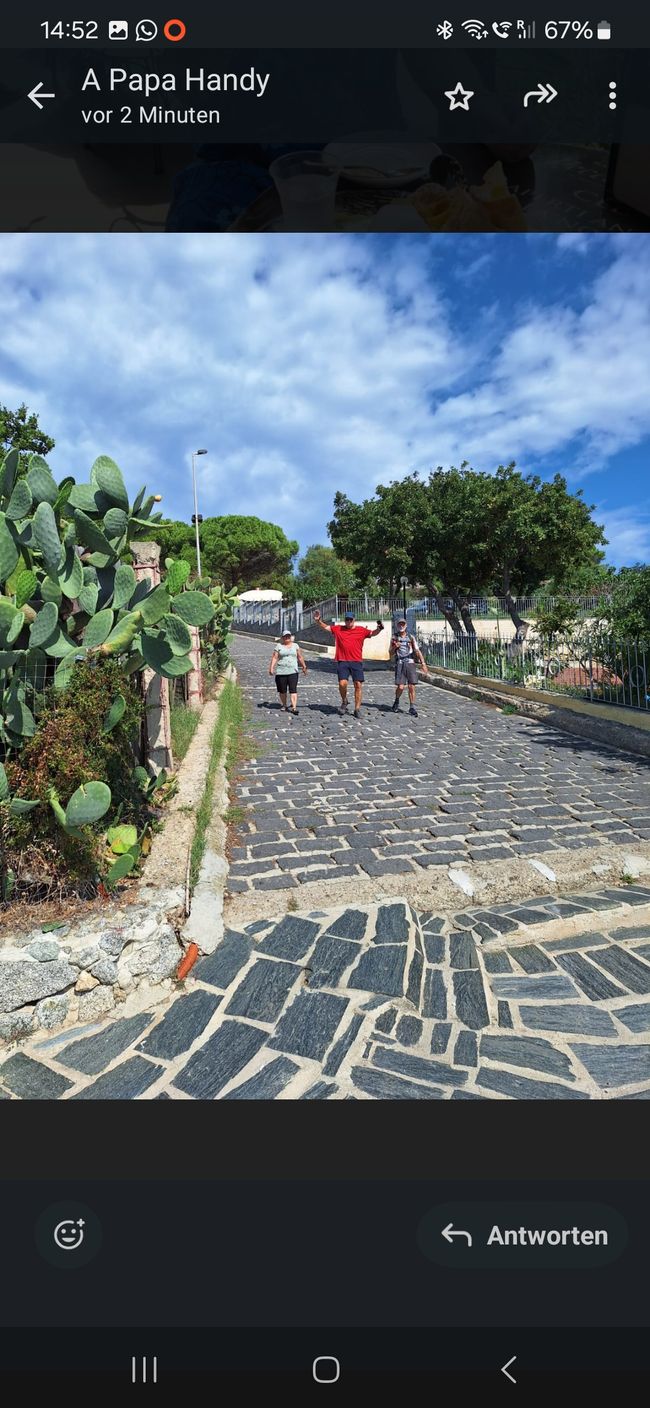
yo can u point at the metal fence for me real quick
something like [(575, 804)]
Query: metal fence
[(426, 608), (598, 668)]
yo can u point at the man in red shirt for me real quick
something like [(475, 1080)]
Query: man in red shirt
[(348, 655)]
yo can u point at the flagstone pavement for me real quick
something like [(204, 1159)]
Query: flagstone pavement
[(548, 999)]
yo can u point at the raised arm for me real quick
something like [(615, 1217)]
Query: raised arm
[(378, 628), (318, 622)]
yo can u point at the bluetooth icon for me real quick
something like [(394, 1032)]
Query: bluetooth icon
[(445, 30)]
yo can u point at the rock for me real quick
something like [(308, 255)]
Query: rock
[(85, 983), (95, 1004), (155, 961), (105, 970), (113, 941), (84, 957), (52, 1011), (15, 1024), (26, 980), (44, 950)]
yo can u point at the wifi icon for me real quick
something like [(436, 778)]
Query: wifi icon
[(475, 28)]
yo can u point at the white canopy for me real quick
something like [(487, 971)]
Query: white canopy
[(260, 594)]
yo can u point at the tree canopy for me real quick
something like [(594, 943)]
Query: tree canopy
[(20, 430), (459, 532), (322, 573), (628, 611), (238, 550)]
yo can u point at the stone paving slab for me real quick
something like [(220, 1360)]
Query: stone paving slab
[(336, 808), (384, 1002)]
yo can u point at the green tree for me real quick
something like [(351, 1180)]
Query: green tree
[(176, 540), (461, 532), (628, 612), (322, 573), (245, 552), (20, 430)]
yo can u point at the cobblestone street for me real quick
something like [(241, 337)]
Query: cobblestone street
[(338, 800), (384, 998)]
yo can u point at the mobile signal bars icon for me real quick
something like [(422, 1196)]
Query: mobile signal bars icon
[(525, 29), (475, 28)]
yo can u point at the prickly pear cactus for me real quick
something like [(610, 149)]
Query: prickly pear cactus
[(68, 591)]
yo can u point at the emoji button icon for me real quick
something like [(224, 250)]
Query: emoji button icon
[(146, 30), (69, 1235), (174, 30)]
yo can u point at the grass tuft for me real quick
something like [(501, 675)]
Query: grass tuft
[(226, 738), (184, 723)]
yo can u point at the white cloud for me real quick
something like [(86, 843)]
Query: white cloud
[(575, 243), (628, 533), (310, 364)]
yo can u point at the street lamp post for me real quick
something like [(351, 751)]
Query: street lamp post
[(196, 509), (403, 582)]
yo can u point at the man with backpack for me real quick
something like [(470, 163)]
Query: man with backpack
[(408, 656)]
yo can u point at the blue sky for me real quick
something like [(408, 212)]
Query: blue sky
[(307, 364)]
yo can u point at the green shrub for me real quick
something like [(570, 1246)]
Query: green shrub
[(72, 745)]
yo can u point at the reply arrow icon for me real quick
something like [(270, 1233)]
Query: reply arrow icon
[(449, 1232), (545, 93), (36, 95)]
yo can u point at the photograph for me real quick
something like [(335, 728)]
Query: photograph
[(325, 656)]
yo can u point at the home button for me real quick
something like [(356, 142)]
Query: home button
[(326, 1369)]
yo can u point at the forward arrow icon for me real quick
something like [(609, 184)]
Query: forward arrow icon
[(544, 93)]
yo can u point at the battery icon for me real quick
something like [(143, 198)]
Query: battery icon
[(604, 30)]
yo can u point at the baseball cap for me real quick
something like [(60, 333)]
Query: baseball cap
[(349, 615), (401, 620), (285, 633)]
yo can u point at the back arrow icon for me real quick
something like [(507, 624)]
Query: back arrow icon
[(545, 93), (36, 95), (505, 1367), (449, 1232)]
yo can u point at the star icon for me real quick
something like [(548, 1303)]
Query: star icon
[(459, 98)]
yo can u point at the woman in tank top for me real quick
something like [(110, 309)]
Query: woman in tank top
[(286, 660)]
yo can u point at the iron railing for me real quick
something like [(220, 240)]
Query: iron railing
[(599, 668), (426, 608)]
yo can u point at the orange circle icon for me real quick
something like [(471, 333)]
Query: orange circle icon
[(174, 30)]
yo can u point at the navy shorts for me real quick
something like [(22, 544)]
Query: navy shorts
[(347, 669)]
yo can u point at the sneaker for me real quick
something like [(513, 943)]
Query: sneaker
[(395, 706), (294, 711), (357, 714), (343, 709), (413, 712)]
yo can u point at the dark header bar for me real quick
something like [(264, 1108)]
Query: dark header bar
[(289, 24)]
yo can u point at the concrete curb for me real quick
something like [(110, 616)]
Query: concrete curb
[(205, 924)]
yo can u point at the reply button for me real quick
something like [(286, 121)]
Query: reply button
[(499, 1236)]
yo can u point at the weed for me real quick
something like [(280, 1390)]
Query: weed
[(225, 740), (627, 879), (509, 709), (184, 723)]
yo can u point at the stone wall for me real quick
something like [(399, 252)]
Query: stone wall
[(81, 971)]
